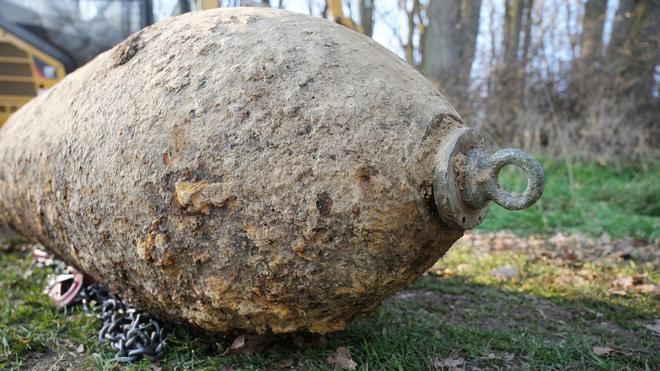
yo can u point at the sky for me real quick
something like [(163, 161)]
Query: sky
[(388, 17), (559, 18)]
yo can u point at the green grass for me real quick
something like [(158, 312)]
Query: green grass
[(530, 321), (590, 199), (549, 315)]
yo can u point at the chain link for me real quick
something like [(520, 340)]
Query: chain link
[(133, 333)]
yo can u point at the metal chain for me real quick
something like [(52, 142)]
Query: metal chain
[(133, 333)]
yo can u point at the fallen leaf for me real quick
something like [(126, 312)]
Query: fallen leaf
[(586, 274), (624, 282), (238, 343), (245, 344), (504, 272), (617, 292), (654, 327), (647, 288), (342, 359), (455, 362), (285, 363), (639, 279), (451, 362), (603, 351), (444, 272), (637, 283)]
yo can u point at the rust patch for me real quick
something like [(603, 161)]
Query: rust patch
[(324, 204), (233, 175), (329, 326), (127, 50), (298, 247), (179, 142), (200, 197), (216, 286), (320, 235), (365, 173), (166, 159), (145, 248), (187, 195), (459, 164)]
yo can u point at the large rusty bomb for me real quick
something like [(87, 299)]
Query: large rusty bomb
[(243, 169)]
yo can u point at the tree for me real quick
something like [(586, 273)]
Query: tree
[(409, 45), (633, 50), (593, 23), (507, 97), (367, 16), (586, 69), (517, 22), (449, 44), (511, 35)]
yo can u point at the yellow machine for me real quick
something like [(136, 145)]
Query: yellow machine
[(43, 40), (27, 67), (336, 9)]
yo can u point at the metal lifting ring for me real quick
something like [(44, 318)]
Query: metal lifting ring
[(483, 183), (465, 179)]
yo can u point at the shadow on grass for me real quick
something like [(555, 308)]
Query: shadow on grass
[(439, 319), (435, 320)]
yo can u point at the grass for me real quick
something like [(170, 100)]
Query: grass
[(552, 313), (586, 198), (529, 321)]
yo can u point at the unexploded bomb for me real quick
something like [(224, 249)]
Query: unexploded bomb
[(249, 169)]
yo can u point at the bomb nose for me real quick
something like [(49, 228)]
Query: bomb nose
[(466, 179)]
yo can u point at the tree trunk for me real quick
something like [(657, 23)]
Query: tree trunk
[(593, 22), (509, 71), (470, 11), (507, 99), (449, 45), (632, 59), (512, 27), (633, 51), (620, 28), (409, 47), (584, 75), (527, 41), (509, 77), (367, 16)]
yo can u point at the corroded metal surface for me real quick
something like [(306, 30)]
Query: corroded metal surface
[(449, 180), (237, 169), (482, 184), (465, 179)]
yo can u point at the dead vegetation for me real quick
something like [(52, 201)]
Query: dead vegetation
[(575, 80), (497, 301)]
